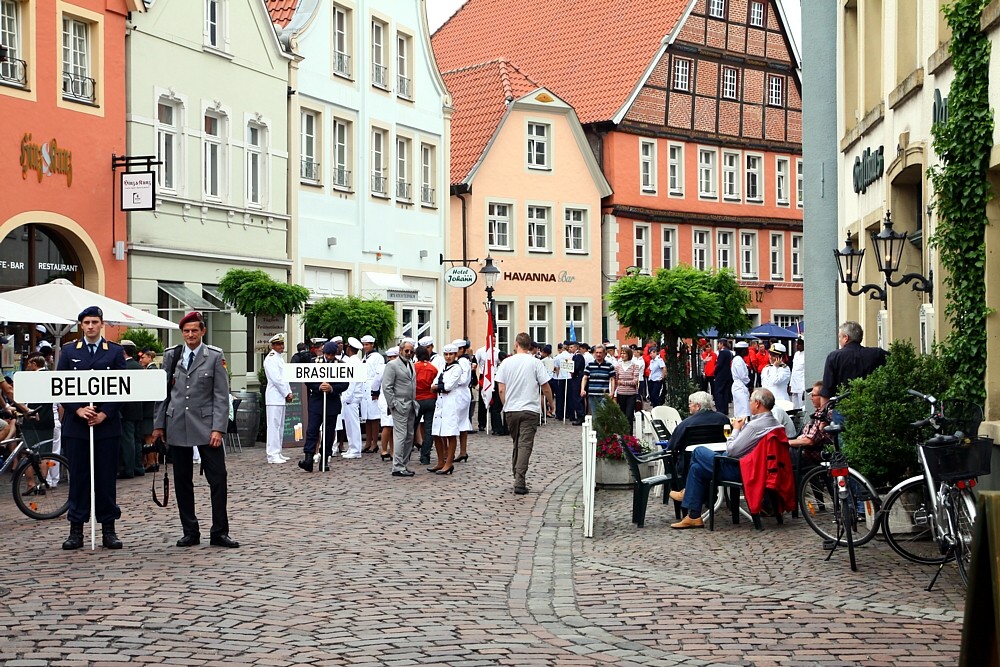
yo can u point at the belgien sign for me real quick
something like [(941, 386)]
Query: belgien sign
[(90, 386)]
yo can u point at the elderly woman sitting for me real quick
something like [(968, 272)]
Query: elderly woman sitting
[(702, 407)]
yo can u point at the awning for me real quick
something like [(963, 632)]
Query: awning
[(188, 298), (387, 287), (214, 296)]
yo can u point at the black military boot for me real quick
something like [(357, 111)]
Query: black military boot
[(307, 463), (75, 539), (110, 540)]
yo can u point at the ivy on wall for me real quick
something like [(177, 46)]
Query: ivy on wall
[(963, 144)]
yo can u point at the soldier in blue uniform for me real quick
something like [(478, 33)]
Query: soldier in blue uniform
[(92, 352), (332, 390)]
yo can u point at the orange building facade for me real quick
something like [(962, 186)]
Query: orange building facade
[(62, 98)]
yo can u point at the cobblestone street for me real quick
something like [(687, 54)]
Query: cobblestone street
[(355, 567)]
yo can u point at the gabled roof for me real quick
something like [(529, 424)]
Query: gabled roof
[(281, 11), (591, 54), (480, 96)]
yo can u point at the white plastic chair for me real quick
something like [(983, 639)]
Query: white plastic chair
[(667, 415)]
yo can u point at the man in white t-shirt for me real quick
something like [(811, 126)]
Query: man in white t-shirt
[(519, 379)]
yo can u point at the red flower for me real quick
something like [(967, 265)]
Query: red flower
[(611, 447)]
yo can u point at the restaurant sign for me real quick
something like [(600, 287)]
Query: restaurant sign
[(45, 159), (562, 277), (868, 168)]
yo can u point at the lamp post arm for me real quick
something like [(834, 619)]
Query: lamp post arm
[(877, 292), (920, 283)]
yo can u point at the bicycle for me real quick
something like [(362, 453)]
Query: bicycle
[(40, 481), (928, 518), (838, 502)]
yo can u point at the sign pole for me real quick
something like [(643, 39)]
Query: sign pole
[(322, 465), (93, 495), (565, 396)]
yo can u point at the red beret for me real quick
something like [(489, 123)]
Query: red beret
[(193, 316)]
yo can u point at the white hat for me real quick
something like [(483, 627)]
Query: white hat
[(450, 348), (368, 339), (40, 327), (46, 343), (460, 342), (778, 348), (407, 340), (392, 352), (337, 339), (354, 342), (277, 338), (316, 342), (426, 341), (741, 345)]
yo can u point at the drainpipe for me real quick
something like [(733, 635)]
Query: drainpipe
[(458, 191)]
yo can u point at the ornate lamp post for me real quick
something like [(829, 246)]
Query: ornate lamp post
[(491, 274)]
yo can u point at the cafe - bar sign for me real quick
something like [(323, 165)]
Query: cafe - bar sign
[(868, 168), (45, 159)]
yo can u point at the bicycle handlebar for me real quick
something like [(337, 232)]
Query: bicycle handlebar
[(835, 399), (925, 397)]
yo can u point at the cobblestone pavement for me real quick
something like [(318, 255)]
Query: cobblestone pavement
[(355, 567)]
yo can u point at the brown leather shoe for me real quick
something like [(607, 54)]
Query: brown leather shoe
[(688, 522), (677, 495)]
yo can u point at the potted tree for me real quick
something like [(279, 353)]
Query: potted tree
[(612, 430)]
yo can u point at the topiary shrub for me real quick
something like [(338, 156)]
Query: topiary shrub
[(877, 437), (608, 419), (142, 338)]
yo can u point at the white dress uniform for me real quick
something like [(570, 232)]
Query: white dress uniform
[(351, 402), (464, 394), (373, 365), (383, 408), (446, 409), (775, 378), (798, 380), (274, 401), (741, 395)]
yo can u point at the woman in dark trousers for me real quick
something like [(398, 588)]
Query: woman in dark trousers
[(425, 374)]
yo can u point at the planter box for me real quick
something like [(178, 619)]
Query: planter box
[(612, 474)]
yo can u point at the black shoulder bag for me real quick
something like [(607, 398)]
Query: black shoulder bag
[(161, 445)]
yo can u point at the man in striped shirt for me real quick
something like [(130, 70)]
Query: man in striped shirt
[(598, 379)]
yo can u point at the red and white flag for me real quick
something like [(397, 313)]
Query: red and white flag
[(487, 375)]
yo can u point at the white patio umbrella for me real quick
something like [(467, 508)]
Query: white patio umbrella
[(11, 311)]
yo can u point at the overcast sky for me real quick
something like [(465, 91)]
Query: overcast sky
[(438, 11)]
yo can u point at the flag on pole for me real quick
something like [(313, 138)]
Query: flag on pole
[(572, 332), (487, 388)]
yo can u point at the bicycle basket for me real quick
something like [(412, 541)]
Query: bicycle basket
[(963, 460), (961, 417)]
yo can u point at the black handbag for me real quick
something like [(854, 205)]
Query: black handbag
[(161, 443)]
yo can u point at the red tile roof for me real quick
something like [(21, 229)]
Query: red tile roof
[(592, 54), (281, 11), (480, 94)]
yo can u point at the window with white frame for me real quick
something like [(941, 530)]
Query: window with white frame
[(341, 154), (717, 9), (538, 322), (724, 250), (404, 182), (576, 314), (78, 85), (341, 41), (781, 180), (498, 226), (256, 171), (380, 185), (538, 145), (647, 165), (708, 176), (775, 90), (427, 190), (757, 13), (669, 234), (214, 160), (730, 85), (309, 146), (755, 178), (797, 257), (777, 256), (731, 175), (215, 23), (641, 246), (576, 230), (504, 324), (404, 78), (787, 321), (380, 73), (675, 169), (682, 74), (748, 255), (800, 189), (538, 228), (13, 68), (168, 119), (701, 249)]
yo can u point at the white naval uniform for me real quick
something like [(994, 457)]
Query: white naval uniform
[(373, 366), (446, 410), (741, 395), (274, 402), (464, 395), (351, 410)]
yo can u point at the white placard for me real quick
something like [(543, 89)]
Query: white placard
[(138, 190), (90, 386), (266, 326), (320, 373), (567, 365)]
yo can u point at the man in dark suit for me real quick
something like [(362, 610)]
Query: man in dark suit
[(317, 391), (196, 414), (92, 352), (130, 456), (723, 377)]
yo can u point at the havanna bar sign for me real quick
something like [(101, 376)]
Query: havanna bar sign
[(45, 159), (562, 277)]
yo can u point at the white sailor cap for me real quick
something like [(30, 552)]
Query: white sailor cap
[(778, 348), (337, 339), (392, 352), (277, 338), (450, 348), (354, 342), (316, 342), (407, 340), (460, 342), (741, 345), (426, 341), (368, 338)]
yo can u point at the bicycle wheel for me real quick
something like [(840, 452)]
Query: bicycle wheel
[(847, 509), (818, 503), (963, 508), (41, 489), (908, 523)]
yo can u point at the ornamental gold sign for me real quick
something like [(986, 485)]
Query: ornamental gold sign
[(45, 159)]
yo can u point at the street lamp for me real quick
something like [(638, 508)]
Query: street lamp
[(491, 274)]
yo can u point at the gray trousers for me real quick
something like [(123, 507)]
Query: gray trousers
[(403, 425), (522, 426)]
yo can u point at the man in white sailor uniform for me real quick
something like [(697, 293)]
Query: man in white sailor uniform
[(276, 396), (351, 400), (371, 415)]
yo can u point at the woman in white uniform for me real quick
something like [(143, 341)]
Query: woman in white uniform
[(776, 374), (465, 397), (385, 446), (798, 381), (447, 420), (741, 378)]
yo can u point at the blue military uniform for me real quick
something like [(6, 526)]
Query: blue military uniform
[(333, 407)]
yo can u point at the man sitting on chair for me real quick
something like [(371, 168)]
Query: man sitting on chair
[(745, 437), (703, 413)]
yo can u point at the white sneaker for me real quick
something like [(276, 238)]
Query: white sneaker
[(350, 456), (277, 461), (283, 457)]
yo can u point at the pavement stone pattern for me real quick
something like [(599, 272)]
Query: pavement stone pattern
[(355, 567)]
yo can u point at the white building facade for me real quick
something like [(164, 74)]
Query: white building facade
[(369, 118)]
